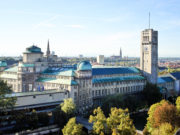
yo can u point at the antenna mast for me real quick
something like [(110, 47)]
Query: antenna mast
[(149, 20)]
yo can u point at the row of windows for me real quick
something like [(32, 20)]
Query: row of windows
[(116, 90), (53, 85), (116, 83), (58, 77)]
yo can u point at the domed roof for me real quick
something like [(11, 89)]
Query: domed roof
[(33, 49), (84, 65)]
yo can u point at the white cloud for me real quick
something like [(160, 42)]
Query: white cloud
[(75, 26), (47, 22)]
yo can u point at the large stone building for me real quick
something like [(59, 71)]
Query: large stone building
[(39, 72), (85, 84)]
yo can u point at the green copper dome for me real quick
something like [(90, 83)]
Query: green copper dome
[(33, 49), (84, 65)]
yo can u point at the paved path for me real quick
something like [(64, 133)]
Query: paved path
[(84, 122)]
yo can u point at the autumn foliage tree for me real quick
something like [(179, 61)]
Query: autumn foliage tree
[(162, 115), (166, 113)]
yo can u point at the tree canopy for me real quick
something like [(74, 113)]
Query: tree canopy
[(118, 122), (151, 94), (160, 114), (99, 121), (68, 106), (72, 128), (6, 102), (178, 104)]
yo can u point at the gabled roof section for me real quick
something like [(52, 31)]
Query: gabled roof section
[(67, 73), (165, 79), (25, 65), (59, 71), (117, 79), (114, 70), (12, 69), (57, 81), (176, 75)]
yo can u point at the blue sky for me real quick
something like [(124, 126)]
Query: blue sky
[(88, 27)]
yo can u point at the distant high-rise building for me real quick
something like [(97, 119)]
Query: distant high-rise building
[(120, 54), (100, 59), (80, 56), (149, 54)]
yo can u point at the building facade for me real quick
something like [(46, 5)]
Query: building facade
[(100, 59), (85, 84)]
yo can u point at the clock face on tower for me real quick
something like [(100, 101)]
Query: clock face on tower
[(145, 48)]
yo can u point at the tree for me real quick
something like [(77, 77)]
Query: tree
[(99, 121), (60, 117), (21, 120), (43, 118), (120, 123), (160, 113), (150, 119), (6, 101), (164, 129), (133, 102), (178, 104), (72, 128), (166, 113), (151, 94), (32, 119), (68, 106)]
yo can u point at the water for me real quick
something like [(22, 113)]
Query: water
[(139, 120)]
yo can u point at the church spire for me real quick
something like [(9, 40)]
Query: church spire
[(120, 53), (48, 49)]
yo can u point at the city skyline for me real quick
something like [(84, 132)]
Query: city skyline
[(81, 27)]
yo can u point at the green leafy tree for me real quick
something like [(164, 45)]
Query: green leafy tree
[(43, 118), (151, 94), (164, 129), (72, 128), (120, 123), (21, 120), (99, 122), (60, 117), (33, 119), (133, 102), (68, 107), (6, 101)]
